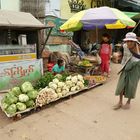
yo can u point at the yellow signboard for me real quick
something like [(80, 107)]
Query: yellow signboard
[(6, 58)]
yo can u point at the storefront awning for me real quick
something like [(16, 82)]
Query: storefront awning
[(14, 19)]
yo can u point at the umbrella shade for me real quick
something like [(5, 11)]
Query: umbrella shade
[(131, 14), (117, 25), (96, 17)]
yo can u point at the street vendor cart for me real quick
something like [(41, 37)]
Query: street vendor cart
[(85, 64)]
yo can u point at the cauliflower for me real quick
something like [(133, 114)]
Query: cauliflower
[(69, 83), (53, 85), (74, 79), (68, 78), (66, 88), (79, 83), (50, 90), (80, 77), (59, 95), (64, 92), (73, 89), (83, 81), (58, 76), (58, 90), (50, 84), (55, 96), (77, 88), (56, 81), (73, 85), (61, 84), (23, 98)]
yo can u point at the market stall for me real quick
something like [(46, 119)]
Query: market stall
[(20, 46), (27, 88), (25, 98)]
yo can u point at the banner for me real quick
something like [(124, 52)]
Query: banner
[(15, 73), (57, 22)]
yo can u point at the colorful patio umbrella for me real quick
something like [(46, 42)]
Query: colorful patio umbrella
[(97, 18)]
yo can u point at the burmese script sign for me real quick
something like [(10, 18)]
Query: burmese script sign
[(15, 73)]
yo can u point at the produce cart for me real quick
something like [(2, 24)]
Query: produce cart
[(88, 64), (44, 96)]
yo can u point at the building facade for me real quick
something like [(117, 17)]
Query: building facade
[(10, 5), (53, 8), (67, 11)]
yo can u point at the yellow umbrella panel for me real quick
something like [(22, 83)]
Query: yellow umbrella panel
[(117, 25), (73, 24)]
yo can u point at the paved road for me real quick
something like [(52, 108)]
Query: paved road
[(88, 116)]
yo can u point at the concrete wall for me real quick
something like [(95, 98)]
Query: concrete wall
[(66, 11), (10, 5), (53, 8)]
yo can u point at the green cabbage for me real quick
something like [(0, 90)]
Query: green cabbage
[(26, 87), (10, 98), (23, 98), (11, 109), (32, 94), (21, 106), (16, 91), (4, 105), (30, 103)]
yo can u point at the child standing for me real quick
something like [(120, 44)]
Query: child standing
[(105, 54)]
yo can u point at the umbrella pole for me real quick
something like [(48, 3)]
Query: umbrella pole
[(96, 35), (136, 26)]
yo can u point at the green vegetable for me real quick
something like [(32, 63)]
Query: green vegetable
[(64, 76), (30, 103), (44, 80), (11, 109), (86, 83), (32, 94), (21, 106), (10, 99), (23, 98), (26, 87), (58, 76), (16, 91), (4, 105)]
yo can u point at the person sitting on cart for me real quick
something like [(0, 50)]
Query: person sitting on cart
[(58, 67)]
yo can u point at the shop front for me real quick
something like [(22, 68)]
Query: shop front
[(20, 47)]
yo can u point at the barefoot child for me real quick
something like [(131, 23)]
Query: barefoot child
[(105, 54)]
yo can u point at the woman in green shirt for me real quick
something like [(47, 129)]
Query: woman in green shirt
[(130, 73)]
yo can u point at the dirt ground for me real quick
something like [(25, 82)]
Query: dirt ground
[(88, 116)]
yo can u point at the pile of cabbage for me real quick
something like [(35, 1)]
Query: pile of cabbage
[(19, 98), (57, 89)]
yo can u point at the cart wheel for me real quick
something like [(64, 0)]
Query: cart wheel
[(38, 109), (17, 117)]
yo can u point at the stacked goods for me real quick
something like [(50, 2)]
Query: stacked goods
[(24, 98), (85, 63), (58, 89), (96, 79), (19, 99)]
